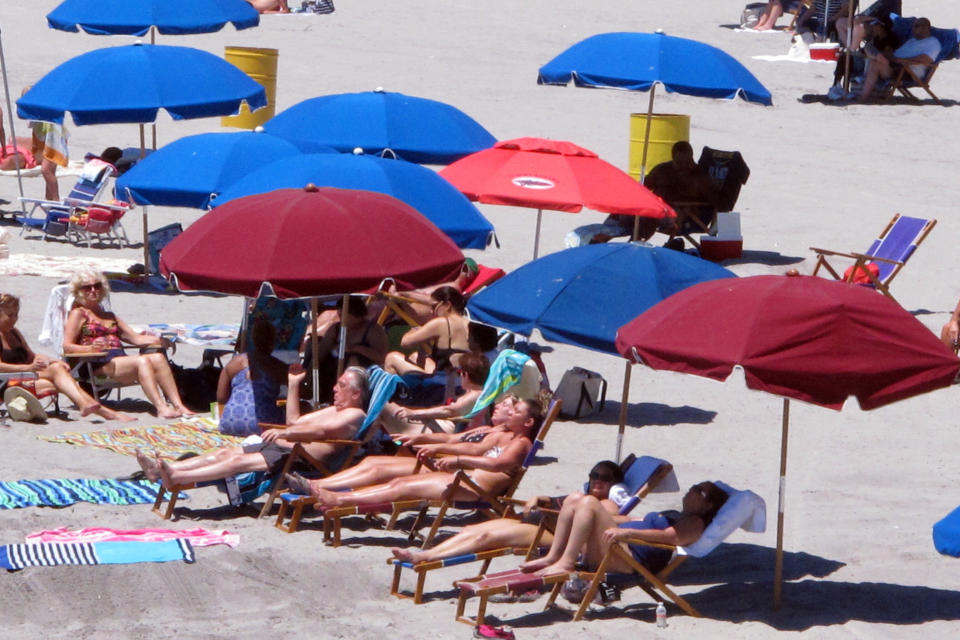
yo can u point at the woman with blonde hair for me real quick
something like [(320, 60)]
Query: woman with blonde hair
[(16, 356), (92, 329)]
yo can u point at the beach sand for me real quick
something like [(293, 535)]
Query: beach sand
[(863, 488)]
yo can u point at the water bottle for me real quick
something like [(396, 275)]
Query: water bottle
[(661, 616)]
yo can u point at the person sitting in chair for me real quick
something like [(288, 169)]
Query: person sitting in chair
[(586, 529), (341, 420), (918, 52), (249, 385)]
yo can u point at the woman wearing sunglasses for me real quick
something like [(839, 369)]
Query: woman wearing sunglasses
[(92, 329), (16, 357), (603, 486)]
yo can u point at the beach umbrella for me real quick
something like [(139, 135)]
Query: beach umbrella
[(132, 83), (581, 296), (640, 61), (415, 129), (189, 171), (417, 186), (137, 17), (800, 337), (554, 175)]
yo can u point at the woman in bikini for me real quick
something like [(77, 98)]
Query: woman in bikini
[(445, 338), (16, 356), (91, 329), (490, 462)]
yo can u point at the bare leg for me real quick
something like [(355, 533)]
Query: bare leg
[(371, 470), (589, 521), (48, 169), (150, 466), (879, 68), (397, 363), (769, 18), (493, 534), (58, 376), (164, 378), (428, 486), (560, 536), (227, 466)]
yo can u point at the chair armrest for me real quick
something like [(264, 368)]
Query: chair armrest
[(635, 539), (86, 355), (828, 252), (866, 256)]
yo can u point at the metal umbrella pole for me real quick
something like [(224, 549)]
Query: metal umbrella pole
[(643, 157), (13, 131)]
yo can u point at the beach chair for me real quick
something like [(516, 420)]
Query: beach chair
[(382, 386), (743, 509), (25, 381), (62, 219), (728, 173), (906, 79), (642, 475), (889, 253), (495, 506)]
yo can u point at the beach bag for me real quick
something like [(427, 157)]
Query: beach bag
[(751, 14), (581, 392), (862, 276), (197, 386)]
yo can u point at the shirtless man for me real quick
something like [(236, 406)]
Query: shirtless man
[(491, 457), (341, 420)]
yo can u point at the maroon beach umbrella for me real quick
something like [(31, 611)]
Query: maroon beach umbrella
[(310, 242), (799, 337)]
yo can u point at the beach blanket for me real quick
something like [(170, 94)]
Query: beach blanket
[(204, 335), (47, 554), (74, 168), (28, 264), (198, 537), (169, 440), (62, 493)]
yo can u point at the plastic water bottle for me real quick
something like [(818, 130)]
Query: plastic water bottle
[(661, 616)]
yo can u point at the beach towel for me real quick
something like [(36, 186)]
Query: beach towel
[(48, 554), (198, 537), (201, 335), (54, 139), (72, 169), (64, 492), (504, 373), (61, 267), (169, 440)]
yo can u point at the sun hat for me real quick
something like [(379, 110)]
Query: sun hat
[(23, 406)]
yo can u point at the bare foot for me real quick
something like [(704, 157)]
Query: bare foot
[(407, 555), (151, 469), (534, 565), (166, 473), (554, 569), (168, 412), (185, 412), (297, 483), (93, 408), (324, 497), (122, 417)]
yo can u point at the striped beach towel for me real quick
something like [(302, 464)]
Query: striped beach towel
[(48, 554), (61, 493), (170, 440)]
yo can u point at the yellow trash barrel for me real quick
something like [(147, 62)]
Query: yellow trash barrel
[(665, 129), (261, 65)]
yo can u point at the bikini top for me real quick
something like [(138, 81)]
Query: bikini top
[(92, 328), (14, 355), (442, 356)]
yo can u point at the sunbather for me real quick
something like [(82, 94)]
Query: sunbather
[(421, 309), (445, 337), (16, 356), (920, 50), (338, 421), (473, 371), (249, 385), (490, 461), (92, 329), (519, 533), (378, 469), (585, 530)]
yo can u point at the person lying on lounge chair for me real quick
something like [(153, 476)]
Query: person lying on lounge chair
[(511, 532), (490, 458), (586, 529), (473, 371), (341, 420)]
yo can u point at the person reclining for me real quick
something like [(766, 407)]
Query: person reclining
[(490, 458), (341, 420), (604, 486), (586, 529), (919, 51)]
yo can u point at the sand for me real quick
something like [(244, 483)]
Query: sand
[(863, 488)]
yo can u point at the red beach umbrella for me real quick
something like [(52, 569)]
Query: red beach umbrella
[(310, 242), (800, 337), (551, 174)]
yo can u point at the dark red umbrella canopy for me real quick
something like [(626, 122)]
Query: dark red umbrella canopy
[(802, 337), (310, 242), (551, 174)]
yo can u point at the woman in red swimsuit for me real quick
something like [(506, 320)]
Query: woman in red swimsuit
[(91, 329), (16, 356)]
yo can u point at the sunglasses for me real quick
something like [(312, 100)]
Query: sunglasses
[(96, 286), (601, 477)]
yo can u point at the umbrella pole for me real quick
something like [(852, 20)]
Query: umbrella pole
[(536, 237), (643, 157), (778, 567), (315, 354), (846, 58), (146, 241), (624, 404), (13, 132), (342, 349)]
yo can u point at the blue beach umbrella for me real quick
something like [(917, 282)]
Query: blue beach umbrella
[(581, 296), (188, 171), (640, 61), (131, 83), (136, 17), (415, 129), (419, 187)]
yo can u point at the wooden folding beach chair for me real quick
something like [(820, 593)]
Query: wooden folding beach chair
[(889, 253), (642, 476), (743, 509), (906, 79)]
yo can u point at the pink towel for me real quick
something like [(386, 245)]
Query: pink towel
[(197, 537)]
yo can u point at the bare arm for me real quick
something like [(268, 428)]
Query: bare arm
[(139, 339), (326, 424), (237, 363), (420, 335), (686, 531), (510, 459), (455, 409)]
